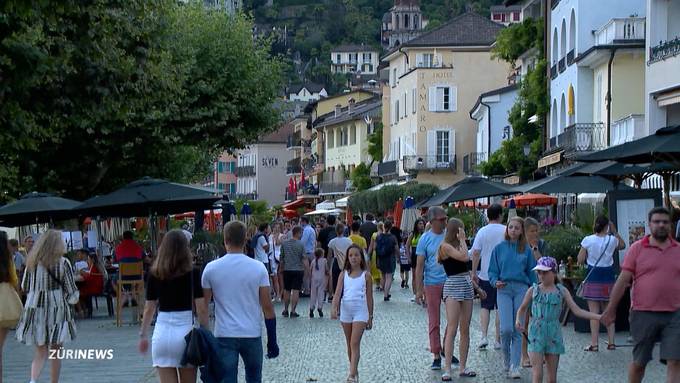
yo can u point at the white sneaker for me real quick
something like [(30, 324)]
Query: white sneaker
[(497, 346), (514, 373)]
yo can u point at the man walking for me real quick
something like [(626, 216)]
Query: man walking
[(485, 241), (652, 264), (240, 288), (309, 242), (293, 270), (327, 233), (430, 278), (387, 250), (262, 247), (337, 256), (367, 229)]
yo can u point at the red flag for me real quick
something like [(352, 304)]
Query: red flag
[(302, 178), (295, 188)]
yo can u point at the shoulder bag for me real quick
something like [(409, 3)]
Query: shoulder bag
[(193, 354), (11, 306), (579, 291)]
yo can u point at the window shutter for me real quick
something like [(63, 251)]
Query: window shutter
[(453, 99), (414, 107), (431, 148), (432, 98), (452, 144), (438, 58), (405, 102), (440, 99), (420, 62)]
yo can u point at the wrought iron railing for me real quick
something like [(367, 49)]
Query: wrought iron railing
[(294, 166), (583, 137), (570, 57), (553, 71), (436, 162), (294, 140), (388, 168), (245, 171), (561, 65), (335, 187), (471, 162), (664, 50)]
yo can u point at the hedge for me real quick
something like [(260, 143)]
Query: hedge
[(379, 201)]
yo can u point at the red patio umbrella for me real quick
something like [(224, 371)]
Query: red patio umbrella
[(348, 216), (532, 199)]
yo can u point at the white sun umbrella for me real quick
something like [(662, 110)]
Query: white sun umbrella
[(409, 215)]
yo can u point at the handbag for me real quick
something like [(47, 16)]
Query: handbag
[(193, 354), (579, 291), (11, 306)]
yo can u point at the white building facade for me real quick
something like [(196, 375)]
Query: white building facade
[(361, 59)]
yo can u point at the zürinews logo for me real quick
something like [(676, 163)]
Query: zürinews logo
[(81, 354)]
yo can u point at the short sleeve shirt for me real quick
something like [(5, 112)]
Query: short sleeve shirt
[(235, 281), (292, 253), (595, 245), (260, 253), (308, 239), (174, 294), (427, 248), (656, 286), (486, 240)]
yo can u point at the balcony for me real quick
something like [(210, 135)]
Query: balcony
[(294, 167), (582, 137), (471, 162), (627, 129), (308, 164), (553, 72), (243, 196), (245, 171), (335, 187), (664, 50), (413, 164), (621, 30), (561, 65), (554, 4), (570, 57), (388, 169), (294, 141)]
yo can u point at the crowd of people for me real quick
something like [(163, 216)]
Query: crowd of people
[(508, 267)]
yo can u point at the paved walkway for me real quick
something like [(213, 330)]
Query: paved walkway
[(396, 350)]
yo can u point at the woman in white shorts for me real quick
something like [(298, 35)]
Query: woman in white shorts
[(170, 285), (354, 299)]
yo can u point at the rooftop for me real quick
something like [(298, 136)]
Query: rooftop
[(468, 29), (354, 48), (359, 110), (310, 86)]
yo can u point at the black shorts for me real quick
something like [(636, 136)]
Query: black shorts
[(335, 273), (292, 280), (405, 267), (490, 302)]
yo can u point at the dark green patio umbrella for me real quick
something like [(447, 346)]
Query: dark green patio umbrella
[(570, 184), (469, 188), (662, 146), (149, 196), (616, 171), (34, 208)]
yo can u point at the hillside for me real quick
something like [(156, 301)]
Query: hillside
[(306, 30)]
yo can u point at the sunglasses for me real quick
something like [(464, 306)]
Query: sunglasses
[(442, 219)]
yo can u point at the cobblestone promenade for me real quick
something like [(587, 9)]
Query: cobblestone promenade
[(314, 350)]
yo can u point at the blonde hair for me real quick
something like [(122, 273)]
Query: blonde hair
[(174, 256), (451, 238), (381, 227), (47, 250)]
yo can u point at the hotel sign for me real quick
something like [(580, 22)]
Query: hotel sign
[(511, 180), (550, 159)]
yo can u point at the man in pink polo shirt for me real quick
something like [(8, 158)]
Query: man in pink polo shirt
[(652, 264)]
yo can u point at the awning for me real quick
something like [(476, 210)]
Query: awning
[(342, 202), (668, 98), (300, 202)]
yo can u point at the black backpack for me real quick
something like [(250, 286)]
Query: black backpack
[(252, 245), (384, 246)]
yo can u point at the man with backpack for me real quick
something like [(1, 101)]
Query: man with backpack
[(386, 250), (261, 246)]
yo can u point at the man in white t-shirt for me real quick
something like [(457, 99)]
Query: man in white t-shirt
[(485, 241), (262, 247), (337, 255), (239, 286)]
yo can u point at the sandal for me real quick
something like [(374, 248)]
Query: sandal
[(591, 348), (526, 364), (467, 373), (611, 346), (446, 376)]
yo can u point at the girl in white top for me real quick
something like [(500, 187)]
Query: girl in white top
[(354, 297), (276, 238)]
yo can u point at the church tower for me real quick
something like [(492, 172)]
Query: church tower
[(402, 23)]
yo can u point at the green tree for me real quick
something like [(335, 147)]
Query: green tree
[(375, 144), (361, 177), (96, 94), (532, 100)]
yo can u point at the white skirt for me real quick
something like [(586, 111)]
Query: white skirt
[(167, 343)]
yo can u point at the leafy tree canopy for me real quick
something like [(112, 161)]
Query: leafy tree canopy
[(96, 94), (361, 177), (375, 144)]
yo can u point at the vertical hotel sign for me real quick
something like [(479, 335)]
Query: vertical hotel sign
[(436, 75)]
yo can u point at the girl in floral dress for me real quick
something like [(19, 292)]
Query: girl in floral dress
[(545, 330)]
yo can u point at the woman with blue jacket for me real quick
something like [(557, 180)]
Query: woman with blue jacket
[(510, 271)]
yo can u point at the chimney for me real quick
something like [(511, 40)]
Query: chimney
[(338, 110), (350, 106)]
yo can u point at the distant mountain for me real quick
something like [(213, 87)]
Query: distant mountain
[(306, 30)]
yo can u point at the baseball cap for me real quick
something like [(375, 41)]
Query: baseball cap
[(546, 264)]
